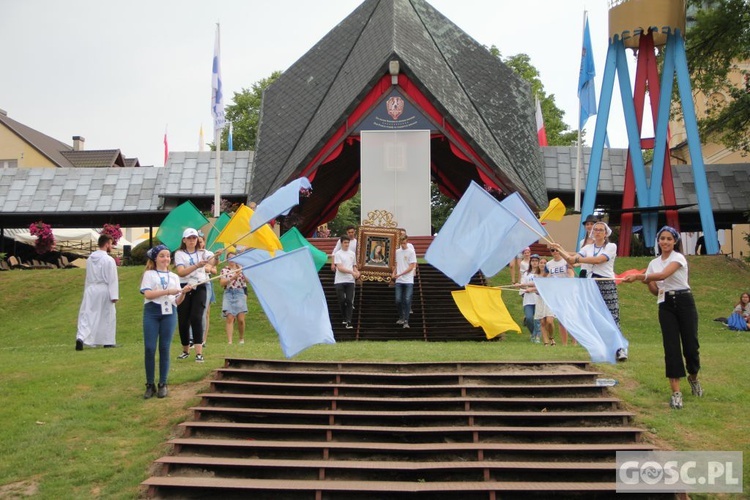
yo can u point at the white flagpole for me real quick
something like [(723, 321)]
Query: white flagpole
[(217, 191), (579, 154), (217, 109)]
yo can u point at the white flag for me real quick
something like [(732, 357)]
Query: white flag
[(217, 93)]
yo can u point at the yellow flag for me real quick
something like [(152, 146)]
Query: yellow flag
[(237, 232), (490, 309), (555, 211), (462, 300)]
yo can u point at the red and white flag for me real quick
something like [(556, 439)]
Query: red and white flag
[(166, 147), (541, 133)]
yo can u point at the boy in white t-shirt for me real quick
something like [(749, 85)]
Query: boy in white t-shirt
[(406, 263), (345, 263)]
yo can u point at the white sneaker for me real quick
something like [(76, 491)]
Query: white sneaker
[(676, 401), (621, 354), (695, 387)]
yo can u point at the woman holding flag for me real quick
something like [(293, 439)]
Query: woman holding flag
[(190, 262), (162, 292), (667, 278), (600, 255)]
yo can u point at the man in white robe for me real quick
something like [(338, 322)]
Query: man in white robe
[(97, 318)]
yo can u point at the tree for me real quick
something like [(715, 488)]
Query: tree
[(718, 40), (244, 113), (441, 207), (558, 133), (348, 215)]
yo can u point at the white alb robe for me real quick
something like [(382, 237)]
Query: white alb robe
[(97, 320)]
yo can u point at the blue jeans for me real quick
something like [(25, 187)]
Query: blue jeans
[(157, 328), (404, 292), (534, 325)]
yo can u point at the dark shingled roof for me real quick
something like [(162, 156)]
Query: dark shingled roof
[(63, 155), (102, 158), (46, 145), (490, 107)]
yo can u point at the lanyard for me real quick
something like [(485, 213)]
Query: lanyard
[(164, 282), (191, 257)]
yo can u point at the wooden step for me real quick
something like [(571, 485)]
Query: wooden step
[(270, 386), (394, 366), (403, 403), (360, 447), (412, 430), (217, 396), (464, 433), (387, 487), (449, 377), (364, 464)]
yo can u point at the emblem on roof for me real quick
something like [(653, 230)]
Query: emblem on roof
[(395, 106)]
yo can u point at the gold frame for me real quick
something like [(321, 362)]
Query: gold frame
[(369, 239)]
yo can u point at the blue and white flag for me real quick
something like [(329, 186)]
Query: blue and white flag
[(279, 203), (524, 230), (586, 90), (480, 234), (290, 293), (579, 306), (230, 146), (217, 92)]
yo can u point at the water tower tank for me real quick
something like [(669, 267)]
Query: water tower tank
[(629, 18)]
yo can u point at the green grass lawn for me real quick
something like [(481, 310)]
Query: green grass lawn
[(74, 424)]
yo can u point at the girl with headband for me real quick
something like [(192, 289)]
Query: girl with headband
[(162, 293), (667, 278)]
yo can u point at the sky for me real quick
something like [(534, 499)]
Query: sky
[(120, 74)]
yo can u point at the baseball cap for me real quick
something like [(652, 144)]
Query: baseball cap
[(189, 232)]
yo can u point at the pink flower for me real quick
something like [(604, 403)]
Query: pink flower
[(45, 240), (112, 230)]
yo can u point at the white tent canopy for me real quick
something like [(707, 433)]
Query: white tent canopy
[(81, 239)]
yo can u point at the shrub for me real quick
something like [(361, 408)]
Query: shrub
[(138, 254)]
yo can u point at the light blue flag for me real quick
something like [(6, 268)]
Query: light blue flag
[(579, 306), (253, 256), (469, 235), (586, 90), (230, 146), (279, 203), (290, 293), (524, 230)]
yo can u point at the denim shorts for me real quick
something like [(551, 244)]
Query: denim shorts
[(235, 302)]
